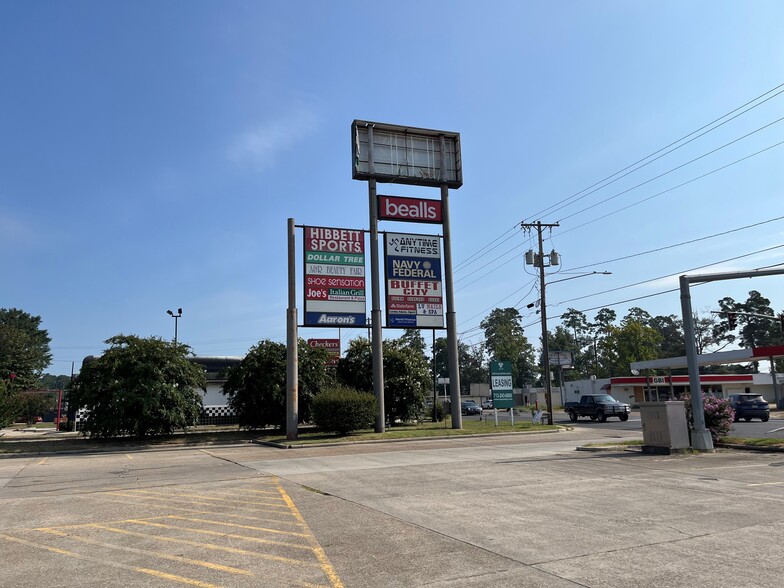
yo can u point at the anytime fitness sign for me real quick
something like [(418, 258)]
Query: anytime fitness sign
[(334, 277), (413, 274)]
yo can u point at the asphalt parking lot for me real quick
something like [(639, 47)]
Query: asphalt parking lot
[(525, 510)]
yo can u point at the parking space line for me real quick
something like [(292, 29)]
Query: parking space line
[(219, 534), (246, 517), (177, 558), (326, 566), (150, 572), (210, 546), (202, 497), (248, 527)]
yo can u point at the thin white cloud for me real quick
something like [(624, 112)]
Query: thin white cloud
[(15, 232), (261, 146)]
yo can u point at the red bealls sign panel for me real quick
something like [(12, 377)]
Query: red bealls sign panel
[(415, 210)]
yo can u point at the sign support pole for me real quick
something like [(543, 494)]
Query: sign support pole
[(292, 359), (375, 308), (451, 317)]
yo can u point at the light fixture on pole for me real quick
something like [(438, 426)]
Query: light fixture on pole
[(175, 316)]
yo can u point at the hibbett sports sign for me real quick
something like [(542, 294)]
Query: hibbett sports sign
[(416, 210)]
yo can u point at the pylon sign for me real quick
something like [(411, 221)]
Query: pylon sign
[(334, 277), (501, 384), (415, 297)]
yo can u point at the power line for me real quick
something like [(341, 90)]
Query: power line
[(494, 244), (705, 175), (549, 208), (775, 91), (661, 175), (689, 242), (672, 274)]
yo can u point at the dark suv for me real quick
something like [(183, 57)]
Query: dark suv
[(750, 406)]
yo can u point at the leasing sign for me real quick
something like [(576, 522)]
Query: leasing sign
[(334, 277), (501, 384), (413, 278)]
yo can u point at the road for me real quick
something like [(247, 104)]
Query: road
[(773, 429), (522, 510)]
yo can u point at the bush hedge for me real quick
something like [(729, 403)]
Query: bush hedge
[(342, 409)]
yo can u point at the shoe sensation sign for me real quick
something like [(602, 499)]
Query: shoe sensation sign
[(334, 277), (413, 278)]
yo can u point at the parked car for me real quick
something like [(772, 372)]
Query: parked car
[(487, 404), (470, 407), (750, 406)]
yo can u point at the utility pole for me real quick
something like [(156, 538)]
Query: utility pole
[(537, 260)]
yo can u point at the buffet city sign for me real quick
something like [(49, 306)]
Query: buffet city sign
[(415, 210)]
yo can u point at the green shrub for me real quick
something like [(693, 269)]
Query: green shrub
[(342, 409)]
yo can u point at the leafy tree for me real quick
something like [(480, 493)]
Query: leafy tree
[(504, 337), (562, 340), (754, 331), (638, 315), (576, 323), (32, 405), (413, 339), (24, 347), (9, 404), (407, 377), (630, 342), (140, 387), (506, 341), (356, 368), (603, 320), (670, 328), (50, 382), (256, 387), (471, 361)]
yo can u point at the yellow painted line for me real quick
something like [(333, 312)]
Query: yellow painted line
[(249, 527), (174, 578), (128, 456), (210, 546), (271, 493), (42, 461), (269, 519), (156, 573), (219, 534), (202, 497), (327, 568), (136, 495), (177, 558)]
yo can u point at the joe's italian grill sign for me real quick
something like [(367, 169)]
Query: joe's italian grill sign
[(334, 277)]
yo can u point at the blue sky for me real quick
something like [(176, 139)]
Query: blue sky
[(151, 152)]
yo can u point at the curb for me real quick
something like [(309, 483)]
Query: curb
[(762, 448), (295, 445)]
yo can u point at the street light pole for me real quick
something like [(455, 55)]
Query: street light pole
[(175, 316)]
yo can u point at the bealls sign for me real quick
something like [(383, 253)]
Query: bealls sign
[(415, 210)]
